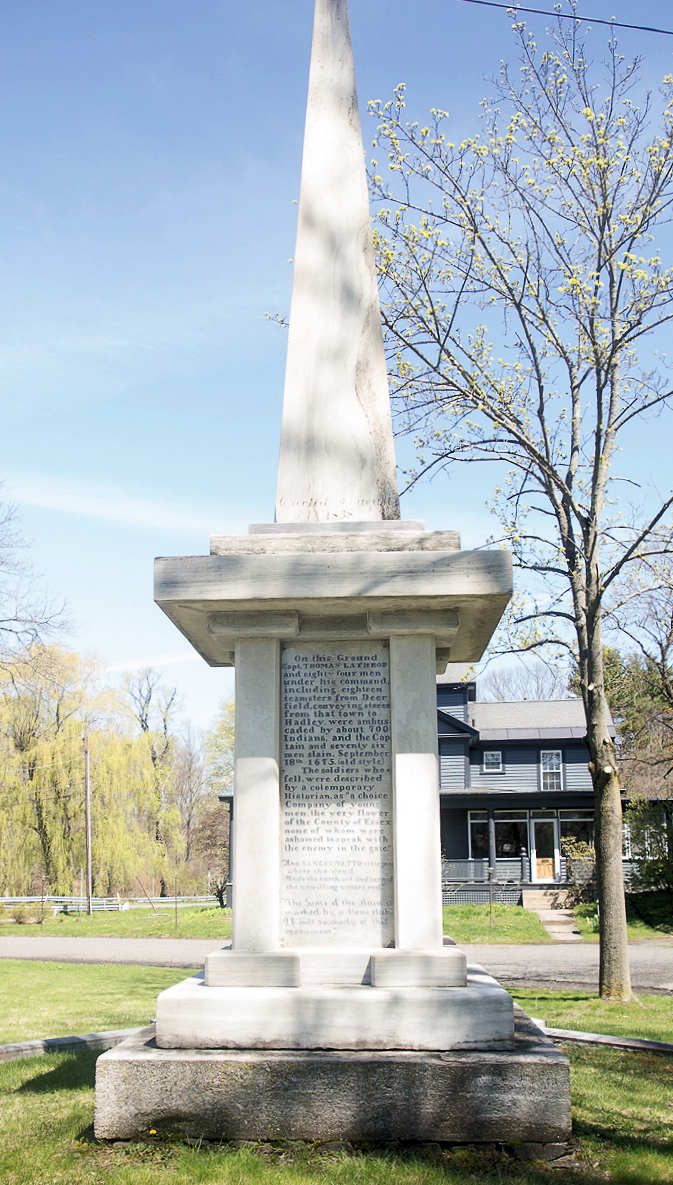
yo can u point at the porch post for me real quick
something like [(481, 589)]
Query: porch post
[(491, 843)]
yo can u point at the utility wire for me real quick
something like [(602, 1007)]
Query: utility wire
[(569, 16)]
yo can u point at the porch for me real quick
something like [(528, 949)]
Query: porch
[(469, 882)]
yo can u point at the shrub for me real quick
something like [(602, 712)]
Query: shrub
[(21, 915), (580, 869)]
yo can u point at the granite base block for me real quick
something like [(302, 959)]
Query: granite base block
[(520, 1096)]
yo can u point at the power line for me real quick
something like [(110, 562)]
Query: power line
[(569, 16)]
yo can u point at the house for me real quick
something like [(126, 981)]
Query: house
[(514, 783)]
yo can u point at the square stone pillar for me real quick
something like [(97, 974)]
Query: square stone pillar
[(257, 790), (418, 880)]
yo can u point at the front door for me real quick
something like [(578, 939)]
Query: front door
[(544, 837)]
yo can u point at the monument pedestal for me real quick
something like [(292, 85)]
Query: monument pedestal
[(518, 1096), (477, 1015)]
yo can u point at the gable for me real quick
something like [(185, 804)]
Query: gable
[(449, 726)]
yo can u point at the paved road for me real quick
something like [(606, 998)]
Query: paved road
[(158, 952), (553, 964), (576, 964)]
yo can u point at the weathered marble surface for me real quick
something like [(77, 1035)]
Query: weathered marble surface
[(371, 540), (191, 1015), (338, 966), (336, 796), (336, 451), (194, 590)]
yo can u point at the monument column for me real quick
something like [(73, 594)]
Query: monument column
[(257, 816), (417, 842)]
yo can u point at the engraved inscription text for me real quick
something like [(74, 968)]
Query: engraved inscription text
[(336, 808)]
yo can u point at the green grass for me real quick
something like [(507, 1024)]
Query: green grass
[(621, 1108), (58, 999), (63, 999), (649, 1016), (638, 929), (465, 923), (653, 908), (203, 921), (622, 1104), (511, 923)]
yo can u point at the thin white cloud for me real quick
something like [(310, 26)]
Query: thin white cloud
[(111, 504), (160, 660)]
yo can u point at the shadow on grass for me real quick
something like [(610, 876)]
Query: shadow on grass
[(73, 1071), (622, 1140)]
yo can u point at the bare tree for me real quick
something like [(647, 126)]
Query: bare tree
[(190, 786), (154, 706), (533, 680), (522, 277), (27, 616), (212, 844)]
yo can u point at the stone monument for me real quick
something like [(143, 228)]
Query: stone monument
[(338, 1011)]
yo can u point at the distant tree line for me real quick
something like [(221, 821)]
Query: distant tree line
[(156, 817)]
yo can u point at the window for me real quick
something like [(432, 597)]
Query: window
[(580, 830), (511, 834), (478, 839), (492, 761), (550, 769), (510, 837)]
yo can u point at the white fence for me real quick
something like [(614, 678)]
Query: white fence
[(80, 905)]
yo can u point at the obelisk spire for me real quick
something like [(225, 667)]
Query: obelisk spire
[(337, 460)]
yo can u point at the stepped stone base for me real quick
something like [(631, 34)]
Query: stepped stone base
[(194, 1015), (337, 967), (519, 1096)]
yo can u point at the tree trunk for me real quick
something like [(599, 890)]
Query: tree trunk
[(614, 974), (43, 834)]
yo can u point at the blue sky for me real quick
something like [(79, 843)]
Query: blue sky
[(150, 164)]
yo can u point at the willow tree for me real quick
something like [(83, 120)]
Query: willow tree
[(524, 290), (49, 698)]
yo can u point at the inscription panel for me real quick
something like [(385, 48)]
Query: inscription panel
[(336, 795)]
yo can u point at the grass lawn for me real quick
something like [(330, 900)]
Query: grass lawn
[(622, 1103), (621, 1107), (64, 999), (511, 923), (465, 923), (199, 921), (638, 929), (58, 999), (650, 1016)]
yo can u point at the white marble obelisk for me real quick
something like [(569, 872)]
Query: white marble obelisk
[(336, 452), (325, 1018)]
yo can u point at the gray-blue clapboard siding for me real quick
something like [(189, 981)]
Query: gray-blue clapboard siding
[(576, 770), (521, 770), (446, 728), (453, 769)]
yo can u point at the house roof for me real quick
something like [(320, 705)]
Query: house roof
[(527, 719), (542, 719), (524, 720)]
